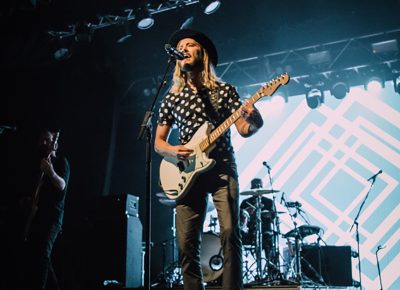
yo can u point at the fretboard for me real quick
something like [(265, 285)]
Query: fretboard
[(221, 129), (267, 90)]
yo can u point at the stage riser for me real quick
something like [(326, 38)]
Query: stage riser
[(246, 288)]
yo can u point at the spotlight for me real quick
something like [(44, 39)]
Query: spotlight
[(210, 6), (314, 97), (62, 53), (374, 84), (145, 20), (339, 90)]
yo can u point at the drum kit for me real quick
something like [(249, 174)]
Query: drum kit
[(260, 230)]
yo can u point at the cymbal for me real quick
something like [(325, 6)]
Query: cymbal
[(259, 192), (172, 203), (167, 202), (270, 213), (161, 194)]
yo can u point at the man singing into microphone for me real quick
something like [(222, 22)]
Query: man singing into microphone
[(198, 96)]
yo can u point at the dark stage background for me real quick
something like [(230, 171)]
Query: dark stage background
[(97, 99)]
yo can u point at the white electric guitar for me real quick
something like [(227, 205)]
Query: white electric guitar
[(177, 176)]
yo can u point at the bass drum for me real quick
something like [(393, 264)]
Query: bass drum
[(211, 258)]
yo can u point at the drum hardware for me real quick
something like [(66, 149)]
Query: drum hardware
[(303, 231), (298, 234), (276, 274), (263, 265), (213, 224), (171, 274)]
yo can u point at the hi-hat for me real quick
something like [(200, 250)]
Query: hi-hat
[(163, 199), (270, 214), (259, 192), (161, 194), (167, 202)]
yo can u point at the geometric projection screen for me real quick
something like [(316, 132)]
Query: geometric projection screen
[(323, 159)]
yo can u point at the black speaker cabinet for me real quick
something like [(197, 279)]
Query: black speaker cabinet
[(114, 246), (331, 263), (134, 270)]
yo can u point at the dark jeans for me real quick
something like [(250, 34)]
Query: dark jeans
[(191, 212), (38, 257)]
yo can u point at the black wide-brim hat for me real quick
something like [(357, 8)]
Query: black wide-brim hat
[(200, 37)]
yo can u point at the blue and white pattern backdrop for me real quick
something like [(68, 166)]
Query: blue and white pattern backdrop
[(323, 158)]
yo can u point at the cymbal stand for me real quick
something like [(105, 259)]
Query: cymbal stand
[(173, 228), (171, 273), (259, 238), (275, 226), (297, 238)]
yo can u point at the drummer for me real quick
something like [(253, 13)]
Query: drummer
[(248, 220)]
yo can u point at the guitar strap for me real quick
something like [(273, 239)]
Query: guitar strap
[(211, 105)]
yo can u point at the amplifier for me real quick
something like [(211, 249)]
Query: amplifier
[(331, 263), (132, 205)]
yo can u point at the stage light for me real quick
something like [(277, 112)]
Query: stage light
[(374, 84), (339, 90), (124, 32), (144, 18), (314, 98), (210, 6), (187, 24), (62, 53), (320, 57), (83, 32)]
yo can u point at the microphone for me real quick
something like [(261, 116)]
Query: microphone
[(293, 204), (282, 198), (380, 247), (11, 128), (373, 177), (173, 52), (266, 165)]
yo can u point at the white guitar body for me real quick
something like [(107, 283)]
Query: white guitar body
[(176, 176)]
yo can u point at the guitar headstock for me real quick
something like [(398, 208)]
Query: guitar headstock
[(270, 87)]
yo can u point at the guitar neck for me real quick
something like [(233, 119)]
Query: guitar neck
[(221, 129), (267, 90)]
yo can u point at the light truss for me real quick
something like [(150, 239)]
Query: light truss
[(104, 21), (351, 58)]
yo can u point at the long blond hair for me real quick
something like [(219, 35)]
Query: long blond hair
[(208, 76)]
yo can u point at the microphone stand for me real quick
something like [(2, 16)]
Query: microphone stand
[(146, 132), (379, 268), (357, 232)]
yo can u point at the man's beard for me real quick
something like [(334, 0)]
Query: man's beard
[(191, 67)]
